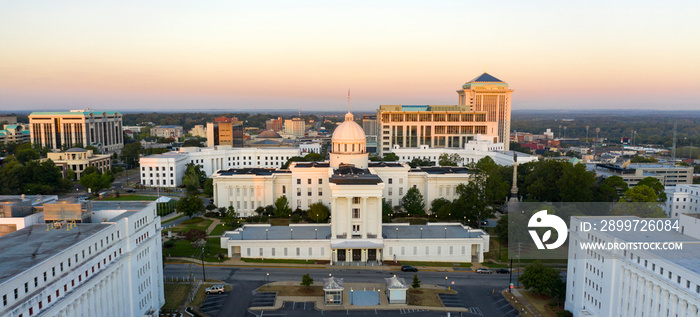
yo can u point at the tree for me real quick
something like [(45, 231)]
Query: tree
[(390, 157), (413, 202), (282, 207), (441, 207), (318, 212), (495, 187), (229, 218), (576, 184), (313, 157), (471, 203), (90, 170), (194, 235), (306, 280), (96, 181), (540, 279), (640, 193), (449, 159), (131, 153), (209, 187), (194, 178), (193, 142), (502, 230), (190, 205), (611, 188), (656, 185), (416, 162), (416, 281), (26, 155)]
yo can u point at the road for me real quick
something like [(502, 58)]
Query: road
[(477, 290)]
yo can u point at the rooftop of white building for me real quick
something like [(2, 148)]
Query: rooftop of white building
[(28, 247), (688, 257)]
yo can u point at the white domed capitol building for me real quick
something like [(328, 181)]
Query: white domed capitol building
[(353, 188)]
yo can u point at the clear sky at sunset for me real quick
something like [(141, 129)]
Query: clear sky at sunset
[(193, 55)]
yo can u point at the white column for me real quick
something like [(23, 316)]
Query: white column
[(334, 218), (682, 307), (86, 304), (657, 297), (693, 310), (664, 302), (648, 292), (673, 303), (348, 215), (364, 215)]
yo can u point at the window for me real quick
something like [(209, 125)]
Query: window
[(308, 181), (4, 300), (273, 251), (285, 251), (320, 192), (298, 251), (320, 181), (391, 181), (355, 228), (53, 271), (390, 191), (355, 213), (356, 200), (36, 282), (298, 181), (298, 191), (26, 287), (16, 293), (44, 276)]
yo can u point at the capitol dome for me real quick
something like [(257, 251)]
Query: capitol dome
[(349, 130), (269, 134), (348, 144)]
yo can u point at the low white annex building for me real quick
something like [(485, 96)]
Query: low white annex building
[(353, 188), (473, 150), (633, 282), (167, 169), (108, 264)]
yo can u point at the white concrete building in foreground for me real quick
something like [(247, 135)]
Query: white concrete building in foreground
[(353, 189), (633, 282), (684, 199), (167, 169), (472, 152), (110, 264)]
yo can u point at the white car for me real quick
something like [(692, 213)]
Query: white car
[(483, 270), (216, 289)]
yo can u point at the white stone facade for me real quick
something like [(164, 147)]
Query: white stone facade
[(631, 282), (685, 199), (112, 268), (472, 152), (167, 169)]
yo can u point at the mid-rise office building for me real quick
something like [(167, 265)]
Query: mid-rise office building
[(432, 125), (668, 175), (15, 133), (109, 264), (167, 131), (225, 131), (198, 131), (369, 124), (633, 282), (490, 94), (63, 130), (78, 159), (295, 127), (274, 124)]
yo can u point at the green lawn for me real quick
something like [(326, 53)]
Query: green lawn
[(175, 293), (194, 223), (184, 248), (173, 219), (439, 264), (218, 230), (496, 265), (132, 198), (279, 221)]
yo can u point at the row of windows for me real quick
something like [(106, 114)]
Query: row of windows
[(427, 250), (308, 181), (58, 293), (285, 251)]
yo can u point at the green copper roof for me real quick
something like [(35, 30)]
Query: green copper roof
[(482, 79)]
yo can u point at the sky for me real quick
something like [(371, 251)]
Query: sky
[(233, 55)]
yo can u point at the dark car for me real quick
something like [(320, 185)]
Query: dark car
[(502, 271), (130, 190), (408, 268)]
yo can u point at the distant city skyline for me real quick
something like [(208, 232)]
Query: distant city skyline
[(191, 56)]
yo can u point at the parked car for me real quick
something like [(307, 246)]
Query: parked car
[(130, 190), (408, 268), (502, 271), (483, 270), (218, 289)]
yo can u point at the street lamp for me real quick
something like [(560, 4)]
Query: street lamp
[(267, 276), (397, 233), (421, 232), (291, 233), (316, 232), (265, 234), (445, 232), (204, 274), (449, 215), (447, 286), (465, 220)]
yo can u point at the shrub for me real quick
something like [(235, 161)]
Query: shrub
[(195, 235), (169, 244)]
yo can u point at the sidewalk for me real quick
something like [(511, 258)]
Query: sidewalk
[(521, 300)]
